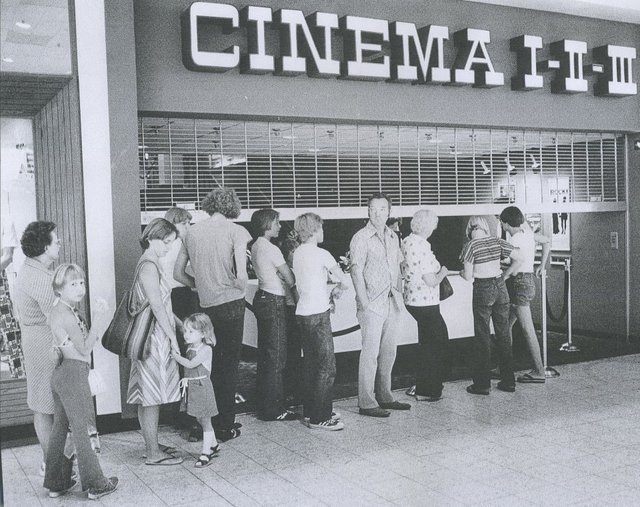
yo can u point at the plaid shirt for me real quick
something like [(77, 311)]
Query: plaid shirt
[(379, 259)]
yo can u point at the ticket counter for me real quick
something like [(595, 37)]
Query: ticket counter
[(456, 310)]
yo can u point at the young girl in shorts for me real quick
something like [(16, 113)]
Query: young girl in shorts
[(199, 400), (73, 343)]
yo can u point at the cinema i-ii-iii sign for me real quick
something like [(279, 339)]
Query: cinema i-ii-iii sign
[(416, 54)]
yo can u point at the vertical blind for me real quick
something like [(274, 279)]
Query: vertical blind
[(301, 165)]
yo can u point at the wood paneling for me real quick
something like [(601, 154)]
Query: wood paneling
[(13, 393), (59, 179), (24, 95)]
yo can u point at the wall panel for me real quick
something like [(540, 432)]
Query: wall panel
[(59, 171)]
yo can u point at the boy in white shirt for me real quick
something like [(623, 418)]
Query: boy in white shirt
[(312, 266)]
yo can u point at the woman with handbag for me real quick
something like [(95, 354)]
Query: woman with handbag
[(73, 343), (422, 277), (154, 379)]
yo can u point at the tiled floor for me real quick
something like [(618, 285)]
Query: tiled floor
[(573, 441)]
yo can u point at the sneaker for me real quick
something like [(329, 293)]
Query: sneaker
[(329, 425), (56, 494), (226, 435), (336, 416), (287, 415), (111, 486)]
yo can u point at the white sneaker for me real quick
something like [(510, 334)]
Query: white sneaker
[(111, 486), (56, 494), (329, 425), (336, 416)]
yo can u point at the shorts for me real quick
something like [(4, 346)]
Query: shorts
[(522, 289)]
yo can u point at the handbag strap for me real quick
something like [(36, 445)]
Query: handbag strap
[(145, 303)]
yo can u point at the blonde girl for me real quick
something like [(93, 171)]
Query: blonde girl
[(70, 385), (199, 399)]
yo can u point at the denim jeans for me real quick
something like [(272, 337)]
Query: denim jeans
[(522, 289), (270, 312), (320, 365), (73, 407), (228, 325), (294, 369), (433, 361), (491, 301)]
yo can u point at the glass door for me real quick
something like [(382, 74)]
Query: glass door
[(18, 208)]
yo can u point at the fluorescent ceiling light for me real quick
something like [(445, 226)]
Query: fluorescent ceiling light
[(23, 25)]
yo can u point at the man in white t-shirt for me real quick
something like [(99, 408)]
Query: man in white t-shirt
[(520, 277), (312, 266)]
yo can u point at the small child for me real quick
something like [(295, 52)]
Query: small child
[(200, 401), (313, 267)]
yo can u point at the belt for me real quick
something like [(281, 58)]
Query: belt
[(184, 382)]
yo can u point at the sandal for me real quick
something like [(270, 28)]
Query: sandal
[(205, 459), (167, 449)]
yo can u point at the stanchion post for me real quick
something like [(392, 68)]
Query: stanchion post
[(548, 371), (569, 346)]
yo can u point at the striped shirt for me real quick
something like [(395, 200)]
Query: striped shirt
[(484, 250)]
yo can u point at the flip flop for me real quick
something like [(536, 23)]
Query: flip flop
[(168, 461), (167, 449), (527, 378)]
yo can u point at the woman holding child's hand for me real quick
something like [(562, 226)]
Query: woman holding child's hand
[(154, 381)]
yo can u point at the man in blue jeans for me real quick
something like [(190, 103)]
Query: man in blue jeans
[(217, 250)]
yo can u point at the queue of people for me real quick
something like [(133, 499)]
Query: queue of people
[(297, 282)]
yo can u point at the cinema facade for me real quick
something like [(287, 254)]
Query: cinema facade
[(458, 106)]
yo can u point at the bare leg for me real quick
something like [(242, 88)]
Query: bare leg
[(43, 423), (149, 418), (523, 314)]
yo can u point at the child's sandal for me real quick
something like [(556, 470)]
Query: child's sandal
[(205, 459)]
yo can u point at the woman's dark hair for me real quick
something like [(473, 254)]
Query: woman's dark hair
[(158, 228), (262, 220), (224, 201), (512, 216), (36, 238)]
